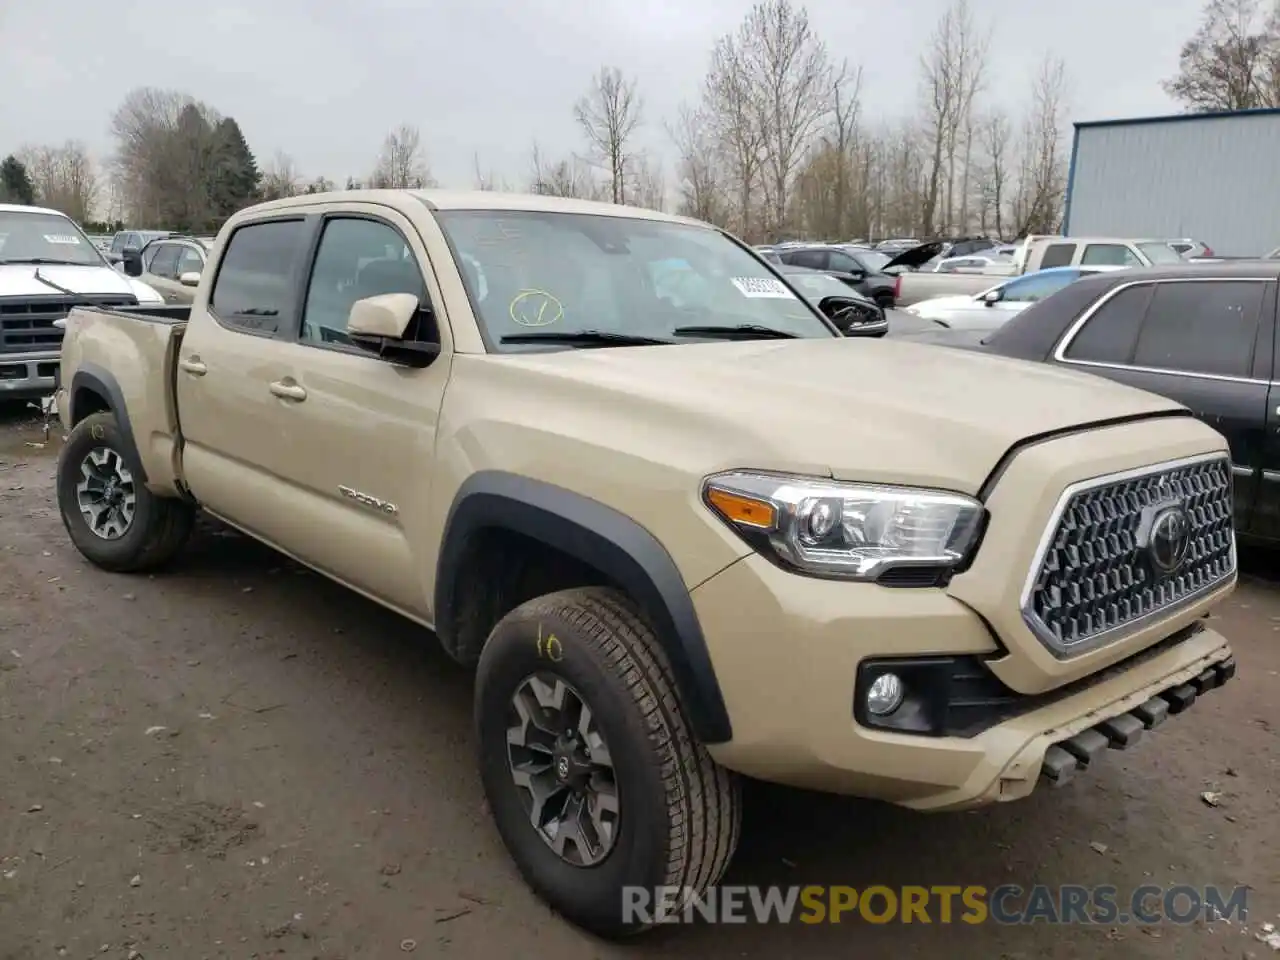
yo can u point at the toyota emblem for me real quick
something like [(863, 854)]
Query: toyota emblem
[(1170, 540)]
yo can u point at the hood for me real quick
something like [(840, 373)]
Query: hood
[(915, 256), (876, 410), (20, 280), (964, 339)]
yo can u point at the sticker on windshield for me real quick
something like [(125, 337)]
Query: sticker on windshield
[(762, 288), (69, 239)]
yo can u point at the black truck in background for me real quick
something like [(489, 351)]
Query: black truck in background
[(1203, 334)]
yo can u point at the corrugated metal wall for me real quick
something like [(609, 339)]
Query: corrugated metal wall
[(1214, 178)]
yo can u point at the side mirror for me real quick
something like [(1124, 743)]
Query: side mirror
[(382, 325), (190, 279), (857, 276), (992, 297), (132, 263)]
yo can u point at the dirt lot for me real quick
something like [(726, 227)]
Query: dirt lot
[(241, 759)]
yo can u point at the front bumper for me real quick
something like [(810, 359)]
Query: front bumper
[(27, 375), (787, 649)]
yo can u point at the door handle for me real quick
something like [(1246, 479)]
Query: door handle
[(288, 391), (193, 366)]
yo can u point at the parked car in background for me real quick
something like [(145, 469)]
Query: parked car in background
[(48, 266), (131, 240), (1203, 335), (1190, 249), (870, 272), (999, 304), (171, 265), (972, 264), (853, 314)]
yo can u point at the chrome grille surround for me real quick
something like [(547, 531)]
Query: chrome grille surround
[(1090, 582)]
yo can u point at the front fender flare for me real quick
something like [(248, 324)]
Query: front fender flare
[(606, 540)]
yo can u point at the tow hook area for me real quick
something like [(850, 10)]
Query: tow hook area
[(1063, 760)]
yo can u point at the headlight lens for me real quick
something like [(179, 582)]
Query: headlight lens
[(851, 530)]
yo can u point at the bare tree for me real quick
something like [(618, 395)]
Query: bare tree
[(402, 163), (64, 178), (281, 178), (734, 123), (994, 134), (790, 86), (648, 185), (559, 178), (609, 116), (1042, 168), (700, 188), (1232, 61)]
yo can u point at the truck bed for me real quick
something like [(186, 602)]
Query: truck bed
[(126, 360)]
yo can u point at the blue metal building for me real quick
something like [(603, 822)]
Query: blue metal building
[(1211, 176)]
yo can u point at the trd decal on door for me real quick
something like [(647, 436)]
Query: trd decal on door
[(369, 501)]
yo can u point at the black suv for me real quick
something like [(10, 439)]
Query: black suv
[(868, 271)]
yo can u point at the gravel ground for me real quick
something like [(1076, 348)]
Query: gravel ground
[(240, 759)]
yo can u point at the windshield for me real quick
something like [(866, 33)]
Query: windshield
[(817, 286), (559, 273), (1159, 253), (44, 237)]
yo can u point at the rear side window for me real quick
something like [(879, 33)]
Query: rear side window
[(1110, 335), (1202, 327), (814, 259), (1109, 255), (256, 288), (1058, 255)]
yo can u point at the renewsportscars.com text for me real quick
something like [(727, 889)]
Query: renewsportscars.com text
[(974, 904)]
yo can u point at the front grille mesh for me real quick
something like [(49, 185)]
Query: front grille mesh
[(1095, 576), (26, 323)]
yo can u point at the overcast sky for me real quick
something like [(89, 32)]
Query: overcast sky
[(325, 81)]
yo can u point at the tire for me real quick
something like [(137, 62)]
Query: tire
[(679, 813), (159, 526)]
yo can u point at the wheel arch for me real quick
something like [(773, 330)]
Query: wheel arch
[(94, 389), (602, 540)]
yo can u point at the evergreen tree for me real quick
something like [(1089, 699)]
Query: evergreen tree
[(15, 185), (235, 178)]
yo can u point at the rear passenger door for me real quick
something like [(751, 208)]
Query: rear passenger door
[(1206, 343)]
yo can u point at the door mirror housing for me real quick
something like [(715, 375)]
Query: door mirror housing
[(132, 261), (395, 326), (992, 297), (190, 279)]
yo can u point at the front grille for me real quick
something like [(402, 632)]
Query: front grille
[(1096, 573), (26, 323)]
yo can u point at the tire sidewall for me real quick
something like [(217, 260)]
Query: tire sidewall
[(101, 432), (591, 896)]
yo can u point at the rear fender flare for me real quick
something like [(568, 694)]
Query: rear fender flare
[(606, 540), (95, 379)]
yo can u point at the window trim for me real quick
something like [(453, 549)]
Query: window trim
[(313, 251), (1065, 341), (280, 333)]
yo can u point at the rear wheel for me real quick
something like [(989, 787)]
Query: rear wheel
[(598, 789), (110, 515)]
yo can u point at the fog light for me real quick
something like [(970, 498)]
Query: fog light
[(886, 695)]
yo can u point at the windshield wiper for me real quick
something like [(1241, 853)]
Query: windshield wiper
[(44, 262), (582, 338), (741, 331)]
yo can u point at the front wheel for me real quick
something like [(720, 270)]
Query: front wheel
[(598, 788), (110, 515)]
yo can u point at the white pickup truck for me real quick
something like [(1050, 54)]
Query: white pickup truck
[(48, 266)]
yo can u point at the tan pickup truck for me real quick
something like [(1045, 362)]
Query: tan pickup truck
[(682, 542)]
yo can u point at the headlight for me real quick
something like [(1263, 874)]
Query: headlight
[(849, 530)]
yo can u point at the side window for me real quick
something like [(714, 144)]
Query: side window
[(814, 259), (1037, 286), (1109, 255), (1202, 327), (357, 259), (189, 261), (1111, 333), (164, 262), (149, 254), (844, 263), (255, 287), (117, 243), (1058, 255)]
